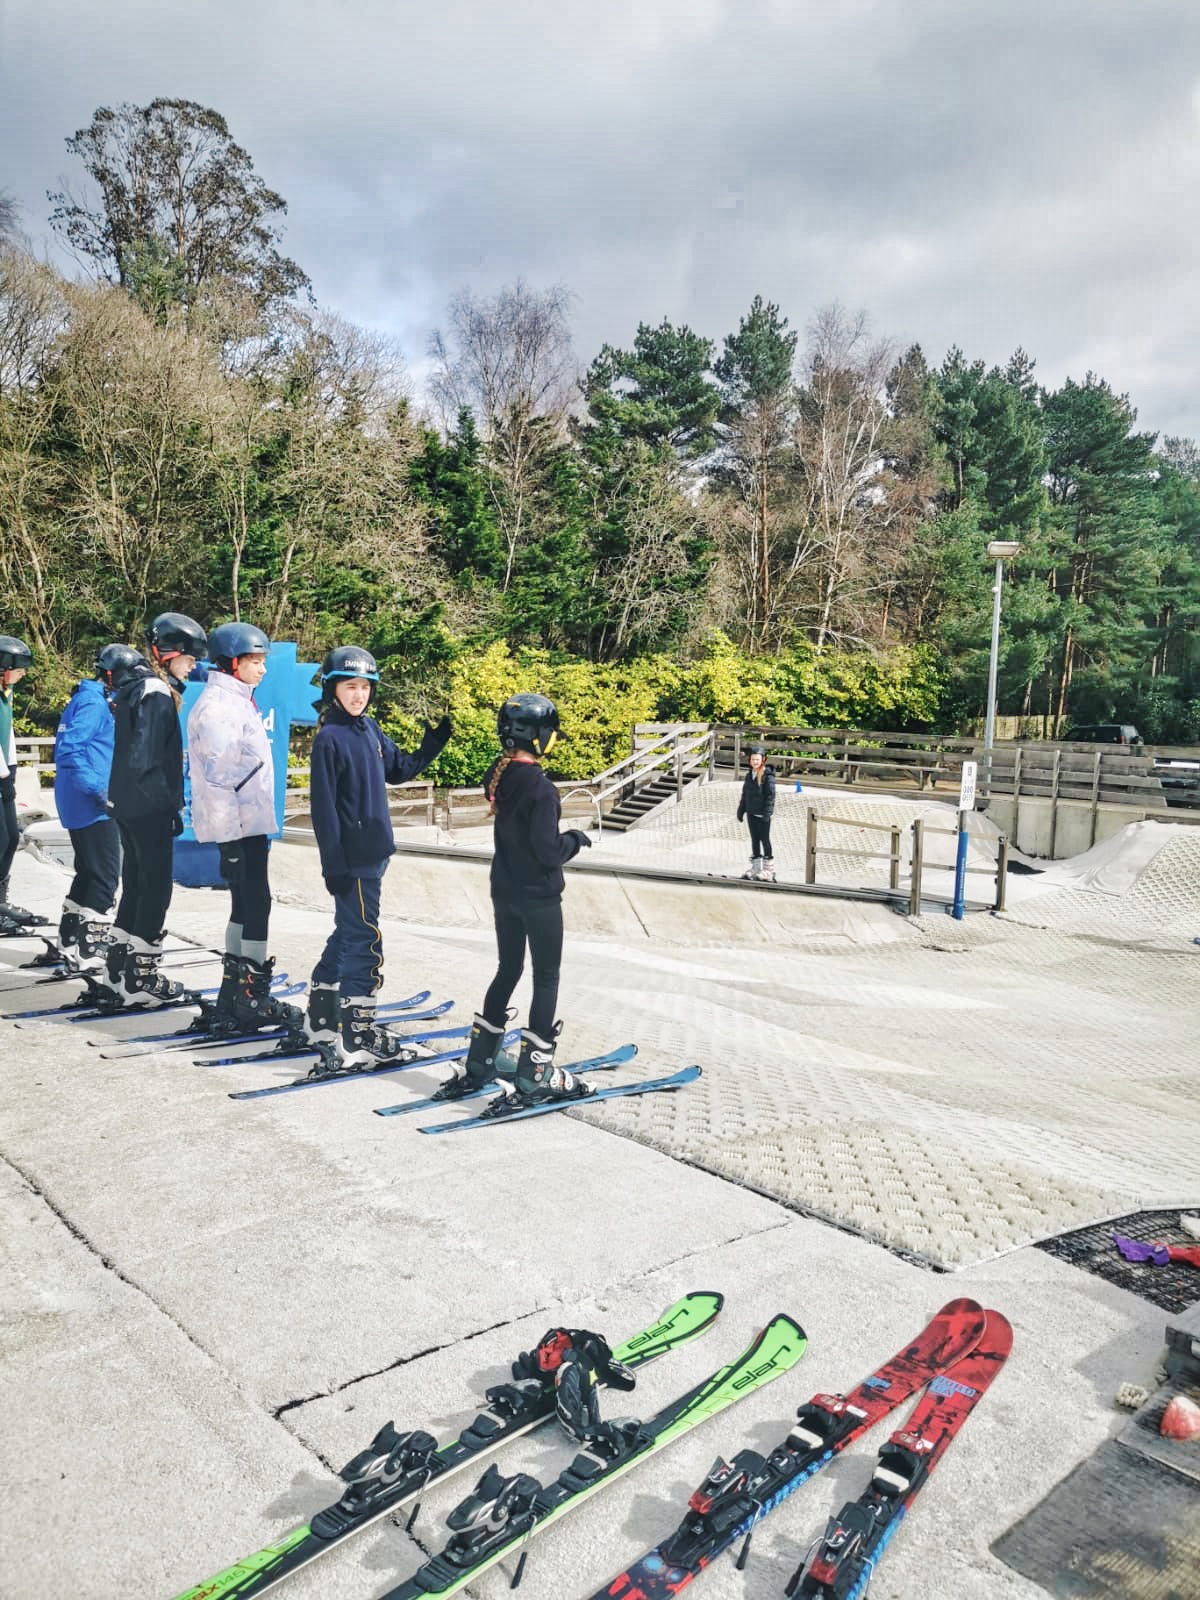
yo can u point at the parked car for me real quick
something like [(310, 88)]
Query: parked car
[(1103, 733)]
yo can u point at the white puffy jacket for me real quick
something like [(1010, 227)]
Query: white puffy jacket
[(229, 763)]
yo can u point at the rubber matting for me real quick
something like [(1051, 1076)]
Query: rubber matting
[(1121, 1527), (1173, 1287)]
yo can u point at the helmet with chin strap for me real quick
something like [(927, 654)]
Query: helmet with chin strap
[(528, 722), (232, 640), (348, 661), (172, 634)]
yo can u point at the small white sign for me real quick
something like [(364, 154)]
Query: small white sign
[(966, 786)]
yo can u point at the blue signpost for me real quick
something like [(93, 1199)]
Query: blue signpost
[(966, 804), (285, 697)]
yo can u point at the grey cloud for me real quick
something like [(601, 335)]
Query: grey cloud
[(995, 173)]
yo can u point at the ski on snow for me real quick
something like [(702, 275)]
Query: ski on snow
[(196, 1038), (494, 1117), (395, 1467), (502, 1514), (322, 1078), (840, 1564), (605, 1063), (737, 1494)]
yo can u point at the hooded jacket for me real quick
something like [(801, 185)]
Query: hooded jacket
[(758, 799), (229, 764), (530, 850), (83, 753), (147, 767), (353, 761)]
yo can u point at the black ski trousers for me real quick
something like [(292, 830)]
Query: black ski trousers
[(97, 866), (760, 836), (146, 881), (538, 924), (10, 836), (250, 889)]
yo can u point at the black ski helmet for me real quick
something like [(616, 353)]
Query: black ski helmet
[(348, 661), (172, 634), (527, 722), (117, 662), (234, 639), (14, 653)]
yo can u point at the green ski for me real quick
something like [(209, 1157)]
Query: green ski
[(395, 1467), (502, 1514)]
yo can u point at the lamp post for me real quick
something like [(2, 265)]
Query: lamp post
[(1000, 550)]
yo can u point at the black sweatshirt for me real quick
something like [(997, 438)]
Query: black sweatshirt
[(758, 799), (147, 763), (530, 851)]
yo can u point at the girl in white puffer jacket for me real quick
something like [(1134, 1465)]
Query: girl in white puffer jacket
[(233, 806)]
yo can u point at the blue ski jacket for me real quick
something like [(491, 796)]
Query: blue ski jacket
[(83, 751)]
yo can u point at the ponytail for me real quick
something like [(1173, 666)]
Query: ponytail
[(500, 770)]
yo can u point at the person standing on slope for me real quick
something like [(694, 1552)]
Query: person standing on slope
[(527, 886), (757, 806), (352, 763), (83, 751), (233, 806), (145, 793), (15, 658)]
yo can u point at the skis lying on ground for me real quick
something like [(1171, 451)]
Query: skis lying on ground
[(504, 1513), (321, 1077), (196, 1037), (605, 1063), (75, 975), (841, 1563), (395, 1467), (498, 1111), (86, 1010), (737, 1494)]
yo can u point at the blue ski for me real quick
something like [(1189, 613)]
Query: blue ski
[(381, 1071), (87, 1011), (614, 1058), (197, 1039), (298, 1052), (647, 1086)]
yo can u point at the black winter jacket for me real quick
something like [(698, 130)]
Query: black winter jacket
[(758, 799), (530, 851), (353, 761), (147, 763)]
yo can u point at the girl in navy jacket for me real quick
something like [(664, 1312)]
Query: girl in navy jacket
[(757, 806), (353, 761)]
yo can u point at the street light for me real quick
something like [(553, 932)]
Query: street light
[(1000, 550)]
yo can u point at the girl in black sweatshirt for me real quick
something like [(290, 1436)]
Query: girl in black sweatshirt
[(757, 806), (527, 886)]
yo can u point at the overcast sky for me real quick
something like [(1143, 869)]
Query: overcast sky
[(988, 172)]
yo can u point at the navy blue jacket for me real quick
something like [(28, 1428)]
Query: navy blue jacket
[(758, 799), (353, 761), (83, 752)]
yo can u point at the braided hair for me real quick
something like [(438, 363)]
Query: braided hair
[(500, 769)]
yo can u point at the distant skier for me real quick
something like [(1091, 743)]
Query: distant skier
[(527, 886), (352, 763), (15, 658), (756, 807), (233, 806), (83, 751), (145, 794)]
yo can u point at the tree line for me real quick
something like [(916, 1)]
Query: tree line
[(181, 425)]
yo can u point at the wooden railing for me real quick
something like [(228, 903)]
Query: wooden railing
[(403, 798), (918, 831)]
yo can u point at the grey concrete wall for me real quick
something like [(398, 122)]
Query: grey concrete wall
[(1035, 830)]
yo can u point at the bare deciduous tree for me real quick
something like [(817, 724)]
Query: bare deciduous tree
[(509, 360)]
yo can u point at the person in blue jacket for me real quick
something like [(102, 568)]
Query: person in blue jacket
[(83, 750), (353, 761)]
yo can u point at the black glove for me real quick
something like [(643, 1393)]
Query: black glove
[(339, 884), (741, 813), (582, 840), (233, 861), (176, 824), (434, 741)]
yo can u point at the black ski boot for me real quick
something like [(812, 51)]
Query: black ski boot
[(70, 926), (92, 946), (141, 983), (320, 1025), (363, 1044), (537, 1079), (584, 1362), (486, 1060), (254, 1004), (104, 987), (15, 919)]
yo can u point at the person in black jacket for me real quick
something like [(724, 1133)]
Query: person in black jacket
[(352, 762), (527, 885), (756, 807), (145, 795)]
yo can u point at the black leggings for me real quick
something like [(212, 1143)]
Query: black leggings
[(760, 837), (10, 835), (251, 894), (146, 881), (97, 866), (538, 923)]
